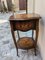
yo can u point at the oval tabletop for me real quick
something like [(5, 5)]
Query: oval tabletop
[(24, 17)]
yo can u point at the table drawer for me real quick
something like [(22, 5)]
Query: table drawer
[(25, 26)]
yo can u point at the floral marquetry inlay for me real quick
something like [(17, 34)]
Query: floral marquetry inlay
[(24, 26)]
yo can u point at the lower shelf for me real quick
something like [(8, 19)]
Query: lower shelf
[(25, 43)]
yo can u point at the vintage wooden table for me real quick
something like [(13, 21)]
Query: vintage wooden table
[(25, 22)]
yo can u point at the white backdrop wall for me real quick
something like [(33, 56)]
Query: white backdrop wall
[(40, 9), (30, 6)]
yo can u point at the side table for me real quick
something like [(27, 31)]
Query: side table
[(25, 22)]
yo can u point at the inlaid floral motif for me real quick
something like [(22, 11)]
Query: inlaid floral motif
[(24, 26)]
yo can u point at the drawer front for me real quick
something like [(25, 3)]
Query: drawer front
[(25, 26)]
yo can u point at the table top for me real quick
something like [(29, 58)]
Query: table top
[(24, 17)]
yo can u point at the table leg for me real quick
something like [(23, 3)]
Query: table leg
[(13, 35), (37, 31)]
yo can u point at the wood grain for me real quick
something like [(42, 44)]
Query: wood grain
[(21, 17)]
